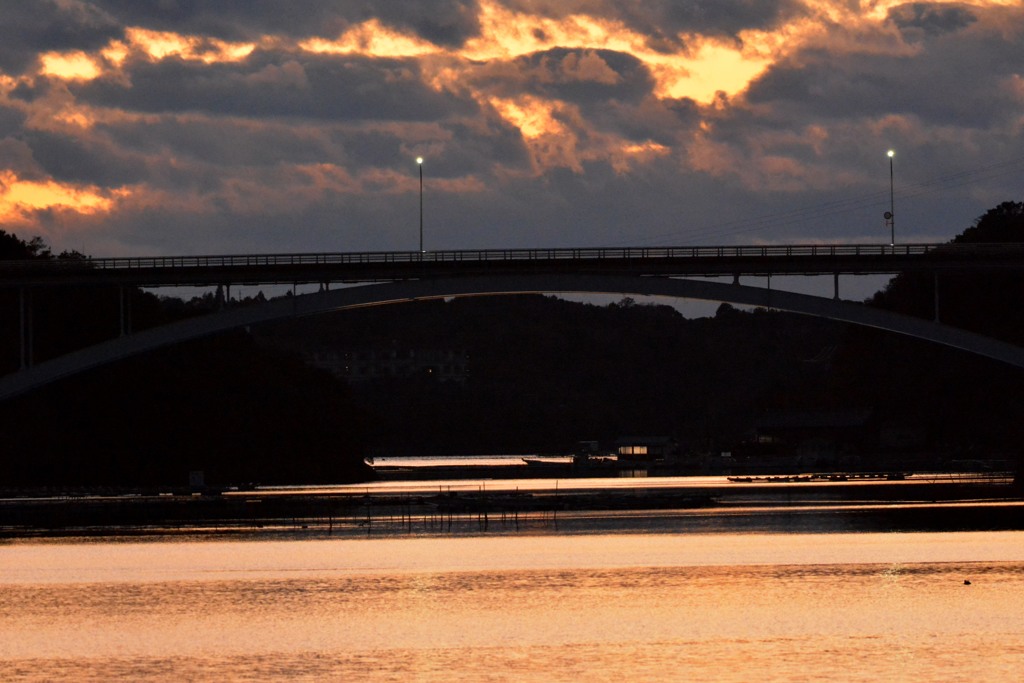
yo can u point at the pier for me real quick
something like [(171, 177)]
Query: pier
[(501, 506)]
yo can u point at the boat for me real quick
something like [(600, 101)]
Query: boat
[(585, 460), (548, 463)]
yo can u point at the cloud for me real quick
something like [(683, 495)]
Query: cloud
[(29, 29), (666, 23), (225, 125), (11, 121), (582, 75), (952, 77), (227, 19), (445, 22), (308, 86), (930, 19)]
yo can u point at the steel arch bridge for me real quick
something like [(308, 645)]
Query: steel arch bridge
[(503, 283)]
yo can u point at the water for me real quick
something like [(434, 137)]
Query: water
[(541, 605)]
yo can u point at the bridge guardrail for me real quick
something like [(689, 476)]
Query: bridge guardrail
[(875, 255), (552, 254)]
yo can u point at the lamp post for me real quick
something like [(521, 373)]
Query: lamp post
[(891, 214), (419, 162)]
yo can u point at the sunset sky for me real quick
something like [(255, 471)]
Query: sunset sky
[(230, 126)]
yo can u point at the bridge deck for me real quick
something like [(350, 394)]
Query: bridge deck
[(694, 261)]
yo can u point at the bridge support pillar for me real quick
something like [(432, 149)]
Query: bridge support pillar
[(125, 302), (25, 326), (835, 286), (935, 289)]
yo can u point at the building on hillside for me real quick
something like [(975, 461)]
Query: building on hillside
[(646, 448), (367, 365), (812, 439)]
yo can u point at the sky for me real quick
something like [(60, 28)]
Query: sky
[(256, 126)]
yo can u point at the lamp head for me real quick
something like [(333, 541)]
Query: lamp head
[(891, 154), (419, 160)]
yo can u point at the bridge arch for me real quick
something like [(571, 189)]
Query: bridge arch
[(418, 290)]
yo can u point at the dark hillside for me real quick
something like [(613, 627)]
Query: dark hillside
[(545, 372), (504, 375), (237, 411), (68, 318), (987, 302), (969, 407)]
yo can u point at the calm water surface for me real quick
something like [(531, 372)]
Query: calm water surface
[(523, 607)]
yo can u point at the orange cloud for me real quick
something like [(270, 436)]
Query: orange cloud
[(550, 141), (69, 66), (506, 34), (624, 156), (549, 129), (534, 117), (699, 72), (19, 198), (78, 65), (556, 133), (588, 67), (714, 67), (163, 44), (879, 9), (373, 39), (646, 149)]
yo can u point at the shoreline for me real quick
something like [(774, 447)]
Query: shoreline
[(880, 504)]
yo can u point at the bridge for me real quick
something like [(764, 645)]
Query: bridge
[(361, 267), (391, 277)]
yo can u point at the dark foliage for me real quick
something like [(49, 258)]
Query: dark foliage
[(545, 372), (969, 406), (237, 411), (984, 302), (64, 319)]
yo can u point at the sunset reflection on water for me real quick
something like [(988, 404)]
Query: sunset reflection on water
[(526, 607)]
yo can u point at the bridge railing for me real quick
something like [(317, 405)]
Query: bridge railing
[(880, 253), (479, 255)]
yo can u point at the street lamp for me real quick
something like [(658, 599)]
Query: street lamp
[(419, 162), (890, 215)]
